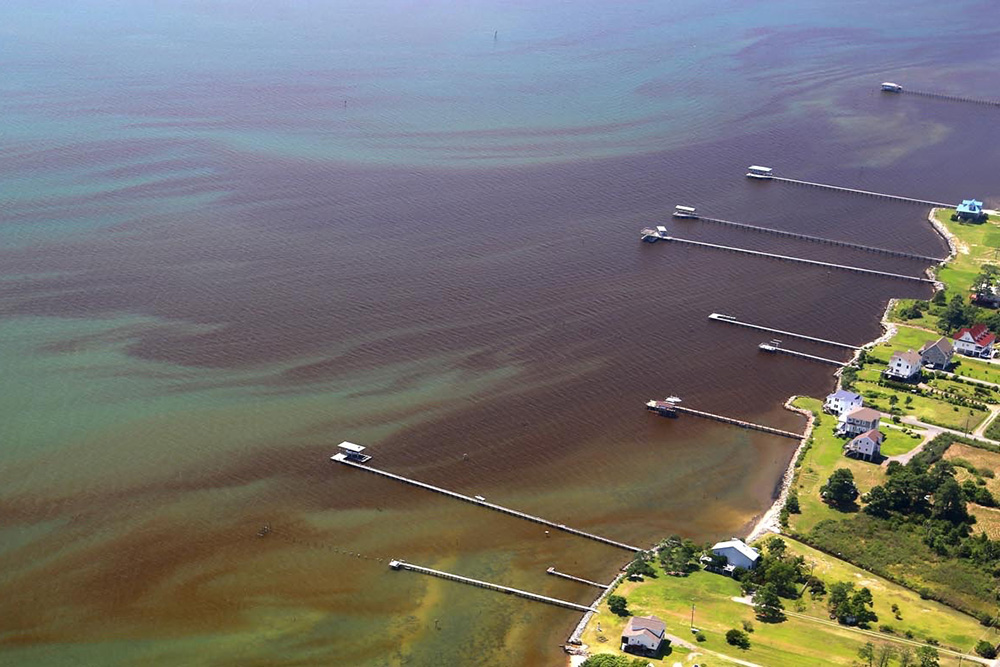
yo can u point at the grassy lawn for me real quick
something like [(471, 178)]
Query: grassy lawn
[(980, 458), (791, 643), (923, 618), (978, 370), (897, 442), (906, 338), (980, 244), (824, 456), (924, 408)]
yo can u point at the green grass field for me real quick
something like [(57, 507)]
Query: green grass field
[(926, 409), (794, 642)]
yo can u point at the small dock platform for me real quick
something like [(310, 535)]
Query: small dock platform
[(556, 573), (800, 260), (729, 319), (820, 239), (777, 349), (403, 565), (483, 503), (726, 420)]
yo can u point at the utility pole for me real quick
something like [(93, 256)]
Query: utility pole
[(692, 616)]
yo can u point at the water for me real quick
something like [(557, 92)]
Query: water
[(213, 271)]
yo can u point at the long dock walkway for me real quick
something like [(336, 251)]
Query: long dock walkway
[(403, 565), (883, 195), (553, 571), (739, 422), (492, 506), (953, 98), (777, 349), (820, 239), (729, 319), (801, 260)]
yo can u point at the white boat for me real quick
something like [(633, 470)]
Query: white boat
[(756, 171), (890, 87)]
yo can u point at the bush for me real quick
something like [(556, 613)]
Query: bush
[(748, 626), (738, 638), (700, 636), (986, 649), (887, 629), (618, 605)]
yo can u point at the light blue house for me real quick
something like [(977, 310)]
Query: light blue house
[(969, 209)]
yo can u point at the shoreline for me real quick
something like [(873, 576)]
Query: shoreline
[(769, 521)]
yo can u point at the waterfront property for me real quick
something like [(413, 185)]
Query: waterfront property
[(975, 341), (842, 401), (644, 633), (868, 445), (937, 354), (859, 421), (904, 366), (970, 209), (738, 553)]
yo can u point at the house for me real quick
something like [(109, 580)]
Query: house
[(738, 553), (867, 445), (937, 354), (970, 209), (904, 365), (842, 401), (643, 632), (974, 341), (859, 421)]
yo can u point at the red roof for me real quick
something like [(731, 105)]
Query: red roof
[(979, 333)]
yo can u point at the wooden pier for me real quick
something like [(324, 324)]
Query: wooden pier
[(553, 571), (856, 191), (403, 565), (951, 98), (729, 420), (777, 349), (492, 506), (729, 319), (801, 260), (819, 239)]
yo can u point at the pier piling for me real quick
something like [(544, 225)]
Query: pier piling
[(729, 319)]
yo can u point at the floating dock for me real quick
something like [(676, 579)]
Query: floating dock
[(403, 565), (484, 503), (554, 572), (819, 239), (659, 236), (777, 349), (729, 319), (728, 420)]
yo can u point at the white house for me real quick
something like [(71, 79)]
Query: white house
[(904, 365), (859, 421), (975, 341), (842, 401), (867, 445), (645, 632), (738, 553)]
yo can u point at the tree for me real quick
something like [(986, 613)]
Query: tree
[(640, 567), (867, 652), (905, 657), (793, 503), (776, 547), (986, 649), (939, 298), (884, 654), (949, 502), (767, 605), (850, 606), (840, 490), (618, 605), (956, 315), (927, 656), (877, 502), (738, 638)]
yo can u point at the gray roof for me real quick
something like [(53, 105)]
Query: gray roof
[(942, 344), (637, 624), (909, 356), (865, 414), (844, 395)]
